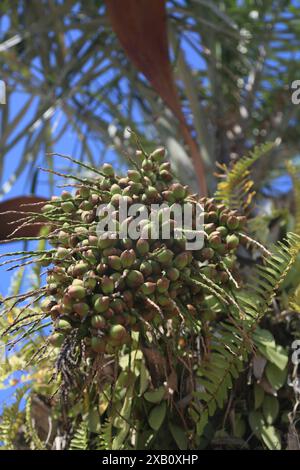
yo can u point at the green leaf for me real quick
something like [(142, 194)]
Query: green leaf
[(256, 422), (239, 426), (258, 396), (157, 416), (264, 338), (268, 434), (276, 376), (179, 436), (144, 378), (271, 437), (270, 409), (155, 396)]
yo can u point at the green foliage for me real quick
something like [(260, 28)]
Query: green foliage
[(80, 439), (11, 419), (236, 187), (232, 341), (30, 432)]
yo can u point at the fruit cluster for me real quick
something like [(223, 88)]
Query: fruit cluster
[(106, 286)]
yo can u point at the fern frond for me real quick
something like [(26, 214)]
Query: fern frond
[(105, 437), (30, 431), (80, 440), (294, 173), (236, 191), (232, 341), (11, 421)]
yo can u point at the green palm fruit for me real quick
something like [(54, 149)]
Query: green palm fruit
[(211, 217), (100, 303), (134, 279), (66, 195), (86, 206), (179, 192), (80, 268), (147, 165), (47, 208), (136, 188), (81, 232), (209, 271), (63, 237), (107, 285), (232, 241), (207, 253), (222, 230), (76, 292), (115, 189), (186, 271), (55, 311), (214, 239), (158, 155), (173, 274), (152, 194), (232, 222), (127, 258), (165, 175), (224, 217), (87, 216), (68, 207), (117, 305), (64, 325), (97, 321), (108, 170), (209, 228), (101, 268), (98, 345), (142, 247), (148, 288), (116, 277), (104, 241), (181, 261), (162, 285), (146, 268), (109, 314), (56, 339), (61, 253), (115, 200), (169, 197), (93, 240), (114, 262), (90, 256), (223, 277), (163, 300), (52, 289), (134, 176), (84, 192), (165, 257), (81, 308)]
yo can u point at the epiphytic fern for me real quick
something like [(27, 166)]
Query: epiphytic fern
[(296, 183), (11, 420), (105, 437), (232, 341), (30, 431), (236, 188), (80, 440)]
